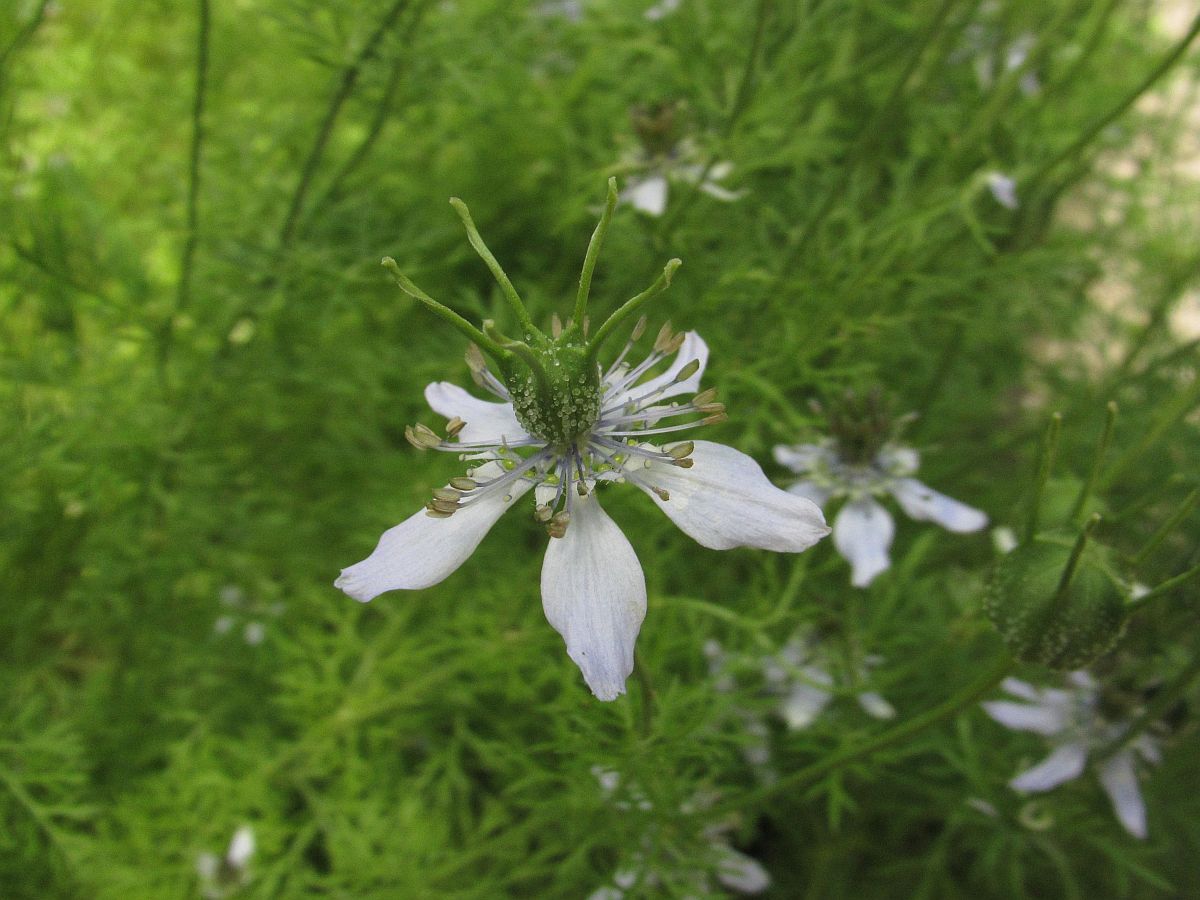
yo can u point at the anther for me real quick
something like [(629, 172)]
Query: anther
[(707, 396), (463, 483), (421, 437), (665, 335), (639, 329), (445, 506), (687, 371), (542, 513), (685, 463), (714, 419), (446, 494), (581, 488), (675, 343), (662, 494), (436, 513), (454, 426), (680, 451), (710, 407), (558, 524), (475, 361)]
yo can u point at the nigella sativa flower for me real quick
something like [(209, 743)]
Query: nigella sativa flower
[(656, 862), (664, 157), (562, 427), (1073, 720), (860, 462), (801, 675)]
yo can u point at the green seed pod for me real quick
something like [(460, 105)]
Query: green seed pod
[(1044, 621)]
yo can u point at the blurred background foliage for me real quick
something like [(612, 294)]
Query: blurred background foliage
[(205, 377)]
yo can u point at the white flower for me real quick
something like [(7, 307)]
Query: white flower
[(800, 675), (593, 589), (647, 190), (1003, 188), (647, 869), (219, 876), (863, 529), (1073, 722)]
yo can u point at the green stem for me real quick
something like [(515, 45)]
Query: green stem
[(589, 259), (349, 77), (1089, 134), (444, 312), (862, 140), (1166, 528), (1068, 571), (186, 259), (745, 93), (378, 122), (1045, 464), (506, 287), (632, 305), (1097, 462), (648, 698), (1163, 589), (834, 761), (1168, 418), (22, 36)]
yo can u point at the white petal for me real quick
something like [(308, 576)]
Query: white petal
[(1022, 689), (1148, 748), (800, 458), (804, 703), (1062, 765), (649, 195), (241, 848), (1047, 720), (741, 873), (926, 505), (874, 705), (486, 422), (594, 594), (724, 500), (715, 190), (1003, 188), (810, 490), (862, 533), (422, 550), (692, 348), (898, 461), (1120, 782), (720, 171)]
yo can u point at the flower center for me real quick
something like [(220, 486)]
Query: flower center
[(559, 404)]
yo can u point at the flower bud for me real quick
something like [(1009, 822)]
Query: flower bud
[(1046, 621)]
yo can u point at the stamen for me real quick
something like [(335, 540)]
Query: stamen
[(454, 426), (464, 484), (446, 494), (558, 524), (422, 437), (665, 335), (680, 451)]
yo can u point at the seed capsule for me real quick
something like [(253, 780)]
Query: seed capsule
[(1062, 630)]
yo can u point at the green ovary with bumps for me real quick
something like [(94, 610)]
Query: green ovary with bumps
[(560, 403), (1040, 625)]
